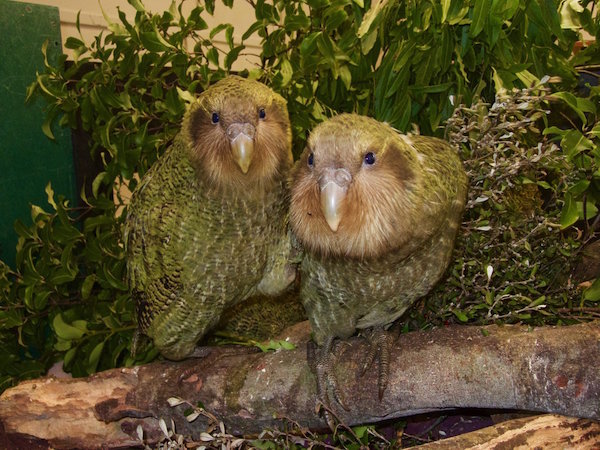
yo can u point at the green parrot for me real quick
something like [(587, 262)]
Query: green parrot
[(207, 227), (377, 213)]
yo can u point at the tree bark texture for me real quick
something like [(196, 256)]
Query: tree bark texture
[(548, 432), (548, 369)]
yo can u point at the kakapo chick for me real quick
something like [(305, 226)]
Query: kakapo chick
[(207, 225), (377, 213)]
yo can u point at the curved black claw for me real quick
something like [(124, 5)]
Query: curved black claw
[(322, 361), (380, 344)]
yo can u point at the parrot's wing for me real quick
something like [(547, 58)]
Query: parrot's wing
[(282, 266), (153, 267), (443, 186)]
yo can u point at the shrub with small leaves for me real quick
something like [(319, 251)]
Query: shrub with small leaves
[(515, 252)]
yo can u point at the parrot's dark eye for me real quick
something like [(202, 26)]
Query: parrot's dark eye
[(311, 160), (215, 117), (370, 158), (262, 113)]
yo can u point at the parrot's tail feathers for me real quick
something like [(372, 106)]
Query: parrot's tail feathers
[(135, 341)]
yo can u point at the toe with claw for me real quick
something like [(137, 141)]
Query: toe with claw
[(380, 343), (322, 360)]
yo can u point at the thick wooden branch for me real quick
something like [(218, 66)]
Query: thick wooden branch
[(549, 369), (547, 431)]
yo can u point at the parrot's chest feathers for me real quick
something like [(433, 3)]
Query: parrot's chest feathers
[(229, 239), (364, 293)]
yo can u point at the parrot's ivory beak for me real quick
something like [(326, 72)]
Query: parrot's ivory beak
[(334, 186), (241, 138)]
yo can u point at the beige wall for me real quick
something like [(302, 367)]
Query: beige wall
[(92, 21)]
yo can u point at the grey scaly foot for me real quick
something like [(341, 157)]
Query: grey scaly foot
[(322, 361), (380, 343)]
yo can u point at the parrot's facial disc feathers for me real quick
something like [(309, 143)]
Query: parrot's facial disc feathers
[(240, 136), (351, 193)]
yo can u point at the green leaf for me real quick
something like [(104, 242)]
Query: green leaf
[(213, 57), (579, 188), (229, 36), (405, 52), (66, 331), (544, 184), (87, 285), (360, 431), (593, 292), (98, 182), (74, 43), (28, 298), (69, 357), (585, 105), (527, 78), (368, 41), (460, 315), (256, 26), (45, 53), (174, 103), (139, 7), (431, 89), (287, 345), (309, 44), (10, 319), (346, 76), (275, 345), (47, 127), (94, 357), (216, 30), (22, 230), (335, 19), (152, 41), (296, 22), (325, 46), (572, 102), (50, 195), (569, 214), (232, 56), (570, 13), (457, 12), (480, 13), (116, 28), (61, 345), (590, 210), (445, 8), (595, 132), (286, 72), (210, 6), (114, 281), (41, 299), (61, 276), (574, 143), (369, 18)]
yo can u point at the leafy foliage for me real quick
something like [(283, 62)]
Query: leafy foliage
[(408, 63), (514, 255), (405, 62)]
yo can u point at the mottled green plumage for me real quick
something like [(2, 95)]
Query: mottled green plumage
[(201, 234), (261, 318), (400, 208)]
